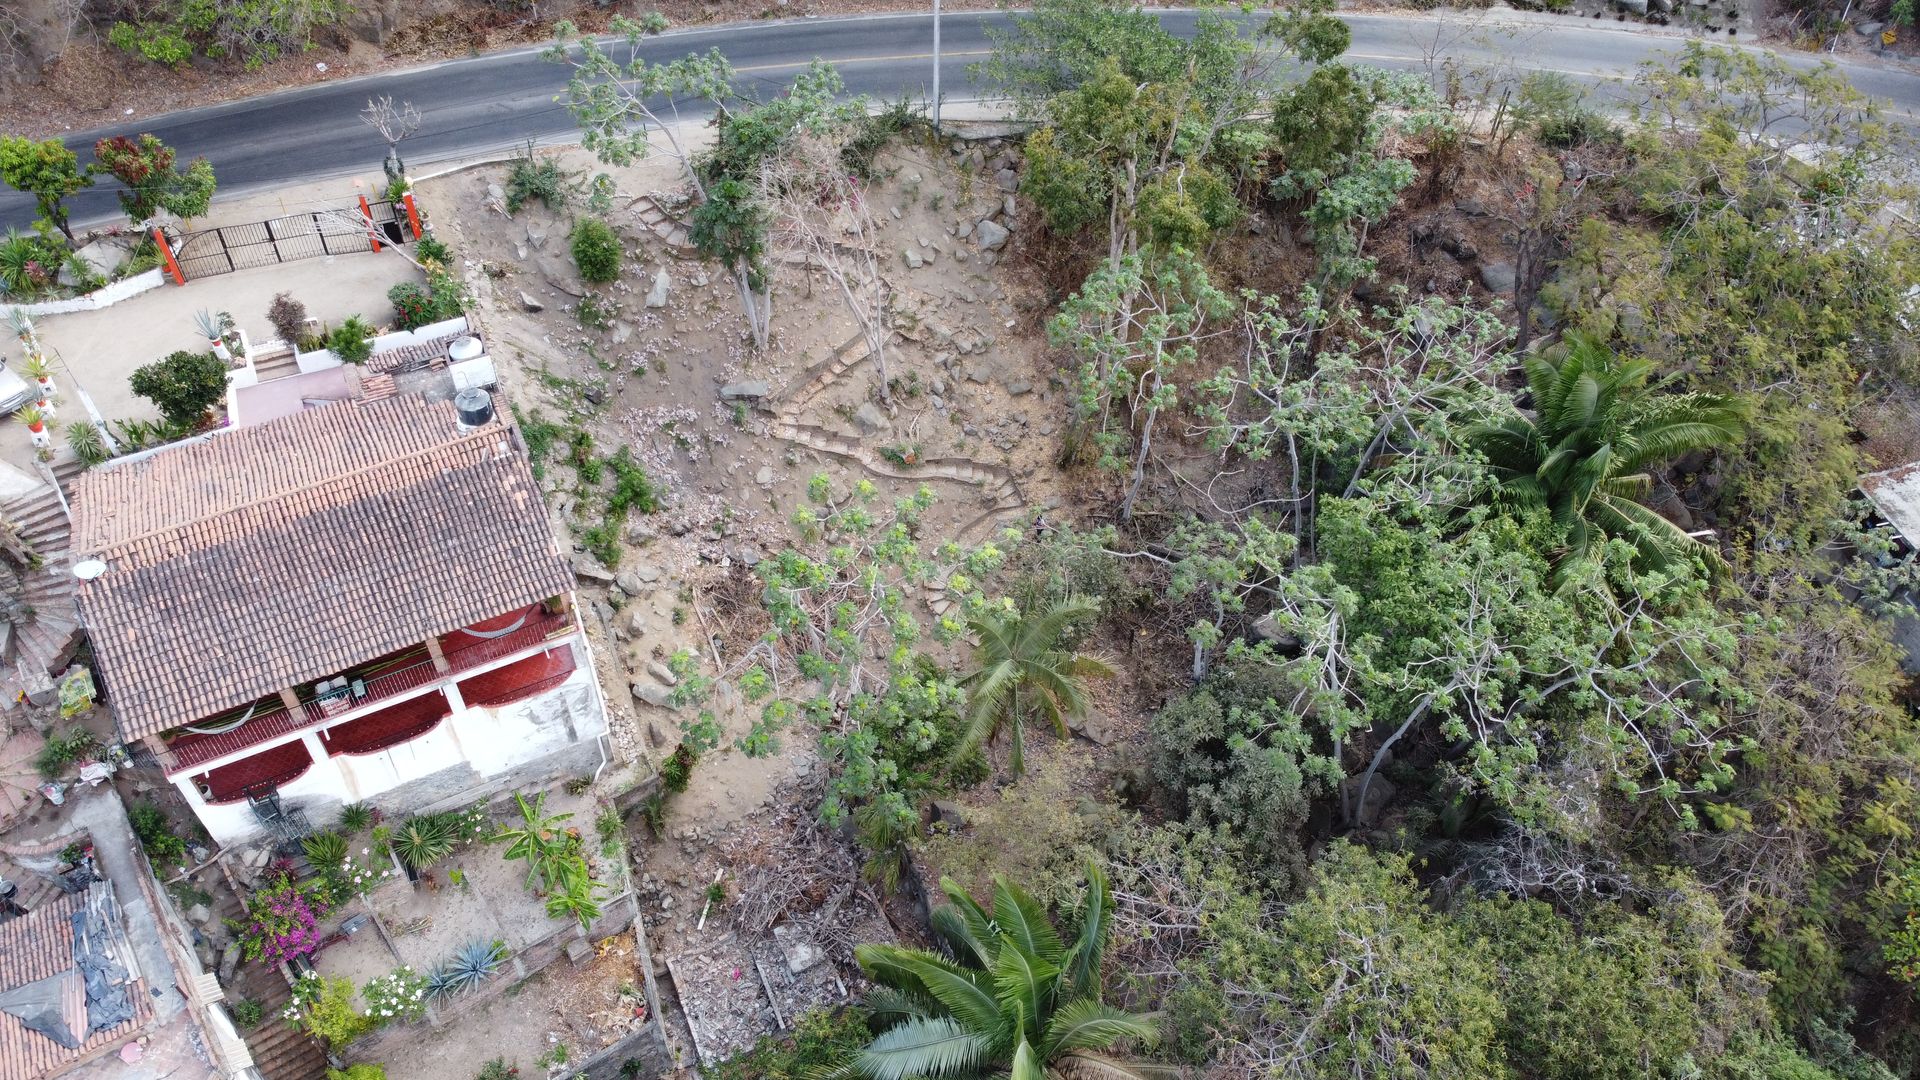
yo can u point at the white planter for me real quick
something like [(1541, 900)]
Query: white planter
[(220, 349), (42, 439)]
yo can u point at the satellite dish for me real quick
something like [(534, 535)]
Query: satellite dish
[(88, 569)]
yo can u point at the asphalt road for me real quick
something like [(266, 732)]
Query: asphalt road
[(474, 105)]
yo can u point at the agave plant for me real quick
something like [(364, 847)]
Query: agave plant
[(470, 966), (325, 849), (36, 367), (84, 440), (539, 839), (355, 817), (420, 842), (209, 326)]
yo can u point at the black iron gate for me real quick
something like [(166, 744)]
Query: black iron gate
[(336, 231)]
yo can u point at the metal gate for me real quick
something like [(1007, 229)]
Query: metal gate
[(329, 231)]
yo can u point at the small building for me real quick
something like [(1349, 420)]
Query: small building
[(360, 601), (71, 989)]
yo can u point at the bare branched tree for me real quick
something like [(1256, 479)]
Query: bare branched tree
[(821, 213), (395, 123)]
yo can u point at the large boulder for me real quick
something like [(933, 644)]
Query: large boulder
[(747, 390), (990, 234)]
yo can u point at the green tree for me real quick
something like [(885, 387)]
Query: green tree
[(1019, 999), (183, 386), (46, 170), (146, 166), (1599, 427), (1020, 670)]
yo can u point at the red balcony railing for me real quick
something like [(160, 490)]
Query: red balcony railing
[(195, 749)]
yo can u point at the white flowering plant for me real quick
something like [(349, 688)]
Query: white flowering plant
[(356, 875), (399, 996)]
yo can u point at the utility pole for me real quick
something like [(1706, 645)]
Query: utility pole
[(936, 66)]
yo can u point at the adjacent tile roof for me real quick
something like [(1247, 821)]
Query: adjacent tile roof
[(270, 556), (39, 945)]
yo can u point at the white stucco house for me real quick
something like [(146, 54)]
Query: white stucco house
[(361, 601)]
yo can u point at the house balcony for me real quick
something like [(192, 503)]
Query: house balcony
[(376, 704)]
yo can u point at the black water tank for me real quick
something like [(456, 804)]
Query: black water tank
[(475, 407)]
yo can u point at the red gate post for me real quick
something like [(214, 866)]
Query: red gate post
[(166, 252), (413, 215), (366, 214)]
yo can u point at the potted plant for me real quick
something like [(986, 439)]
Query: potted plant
[(37, 367), (215, 333), (36, 422), (22, 324)]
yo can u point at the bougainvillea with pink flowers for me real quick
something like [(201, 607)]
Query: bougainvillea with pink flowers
[(283, 922)]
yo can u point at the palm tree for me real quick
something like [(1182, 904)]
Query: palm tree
[(1599, 427), (1016, 1001), (1021, 668)]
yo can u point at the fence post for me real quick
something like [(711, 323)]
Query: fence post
[(366, 214), (166, 252), (413, 215)]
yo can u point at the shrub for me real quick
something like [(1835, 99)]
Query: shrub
[(183, 386), (363, 1071), (400, 996), (283, 921), (248, 1014), (498, 1069), (532, 177), (325, 849), (288, 316), (677, 771), (430, 249), (61, 751), (325, 1008), (818, 1041), (352, 341), (412, 305), (596, 250)]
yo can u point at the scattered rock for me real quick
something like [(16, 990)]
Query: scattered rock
[(629, 582), (622, 331), (990, 235), (536, 234), (590, 570), (199, 915), (1017, 387), (1007, 179), (1634, 7), (661, 672), (913, 259), (655, 737), (895, 211), (497, 197), (949, 813), (1471, 207), (657, 296), (647, 573), (869, 419), (749, 390), (1663, 6), (802, 955), (1008, 208), (528, 301), (764, 476), (1498, 277), (653, 694), (1095, 728), (1380, 791), (1267, 629)]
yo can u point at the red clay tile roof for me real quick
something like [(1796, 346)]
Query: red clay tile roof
[(271, 556), (39, 945)]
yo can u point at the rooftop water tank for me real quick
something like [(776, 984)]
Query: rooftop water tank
[(465, 347), (475, 407)]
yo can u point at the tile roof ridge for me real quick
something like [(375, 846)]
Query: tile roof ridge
[(455, 451)]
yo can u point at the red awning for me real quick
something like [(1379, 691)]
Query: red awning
[(266, 769), (519, 680), (390, 726)]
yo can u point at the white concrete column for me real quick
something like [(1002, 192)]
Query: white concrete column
[(325, 767), (454, 700)]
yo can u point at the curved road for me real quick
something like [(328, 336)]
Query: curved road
[(487, 103)]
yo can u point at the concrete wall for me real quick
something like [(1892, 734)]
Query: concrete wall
[(471, 754), (105, 296)]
